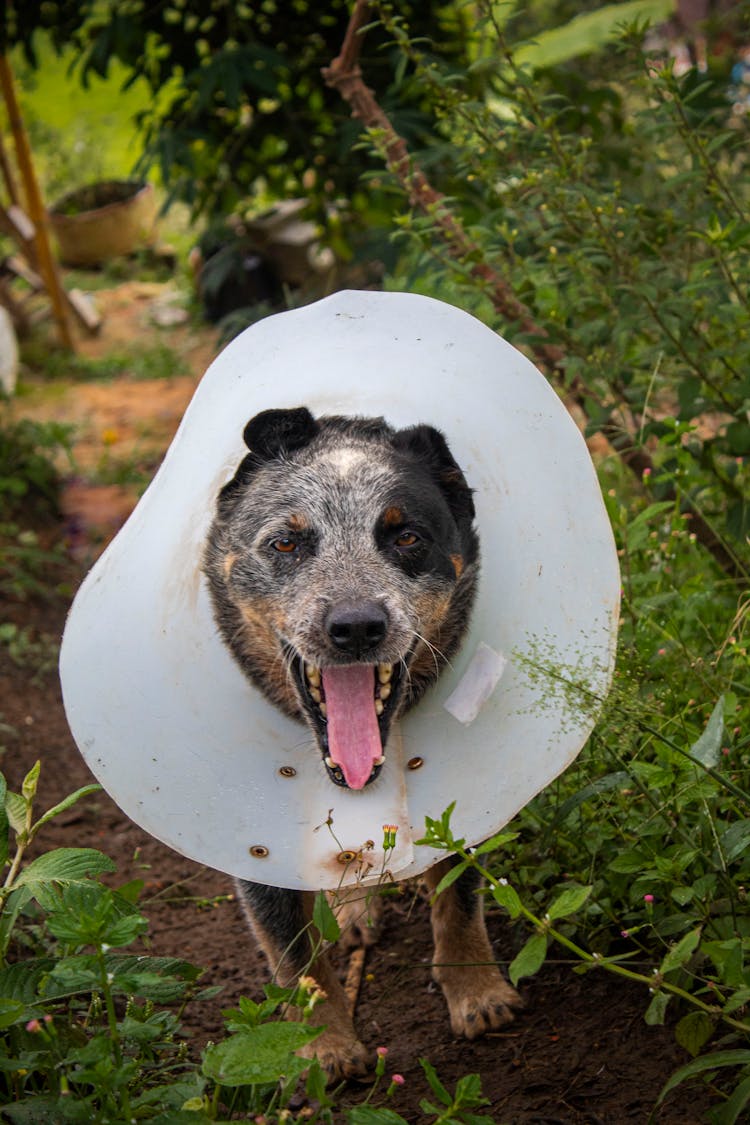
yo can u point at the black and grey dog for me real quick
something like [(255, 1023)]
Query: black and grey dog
[(342, 564)]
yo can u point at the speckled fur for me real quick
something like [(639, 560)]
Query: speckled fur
[(313, 519)]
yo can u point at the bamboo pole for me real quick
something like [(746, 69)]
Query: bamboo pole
[(37, 214)]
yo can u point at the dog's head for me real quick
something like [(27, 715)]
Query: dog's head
[(342, 564)]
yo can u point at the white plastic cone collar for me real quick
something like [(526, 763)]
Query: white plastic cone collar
[(193, 753)]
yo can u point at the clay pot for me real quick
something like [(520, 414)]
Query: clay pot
[(104, 220)]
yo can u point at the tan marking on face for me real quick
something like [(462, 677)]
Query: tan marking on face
[(458, 565), (229, 561), (297, 522), (393, 517)]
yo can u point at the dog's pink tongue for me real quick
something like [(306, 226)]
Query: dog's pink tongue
[(353, 734)]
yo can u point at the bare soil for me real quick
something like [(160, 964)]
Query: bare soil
[(580, 1053)]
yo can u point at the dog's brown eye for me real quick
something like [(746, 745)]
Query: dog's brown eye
[(284, 546), (406, 539)]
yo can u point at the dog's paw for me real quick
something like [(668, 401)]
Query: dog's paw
[(340, 1055), (478, 998)]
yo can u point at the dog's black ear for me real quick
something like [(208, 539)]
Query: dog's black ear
[(276, 433), (430, 448), (271, 434)]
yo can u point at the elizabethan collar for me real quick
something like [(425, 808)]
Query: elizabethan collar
[(193, 753)]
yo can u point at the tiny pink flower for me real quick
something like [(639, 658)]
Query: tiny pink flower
[(646, 473), (648, 898), (662, 652), (398, 1079), (624, 933), (381, 1051), (34, 1026), (47, 1017)]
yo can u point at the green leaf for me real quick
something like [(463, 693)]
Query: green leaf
[(707, 749), (655, 1012), (735, 840), (571, 900), (715, 1061), (729, 1112), (451, 875), (435, 1084), (693, 1030), (681, 953), (12, 907), (258, 1055), (618, 780), (4, 824), (372, 1115), (15, 810), (529, 959), (66, 804), (504, 895), (64, 865), (11, 1011), (324, 919), (30, 783), (495, 843)]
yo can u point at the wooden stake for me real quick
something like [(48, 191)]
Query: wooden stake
[(37, 214)]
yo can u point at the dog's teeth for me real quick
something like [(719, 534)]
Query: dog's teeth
[(379, 707), (313, 675), (315, 694), (379, 761), (385, 671), (323, 709), (385, 691), (330, 763)]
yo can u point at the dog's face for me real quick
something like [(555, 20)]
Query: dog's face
[(342, 564)]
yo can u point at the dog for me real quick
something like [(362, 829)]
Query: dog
[(342, 563)]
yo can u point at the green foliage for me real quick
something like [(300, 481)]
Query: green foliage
[(237, 102), (619, 213), (29, 480)]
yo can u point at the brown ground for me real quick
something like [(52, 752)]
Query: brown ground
[(580, 1053)]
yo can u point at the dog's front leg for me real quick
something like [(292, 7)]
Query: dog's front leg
[(479, 999), (280, 921)]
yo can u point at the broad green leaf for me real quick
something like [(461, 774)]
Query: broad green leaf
[(504, 895), (693, 1031), (735, 840), (30, 782), (18, 898), (656, 1010), (619, 780), (588, 32), (373, 1115), (729, 1112), (257, 1055), (495, 843), (4, 824), (324, 919), (11, 1011), (66, 804), (529, 959), (435, 1084), (681, 953), (64, 865), (571, 900), (451, 875), (15, 810), (707, 749), (715, 1061)]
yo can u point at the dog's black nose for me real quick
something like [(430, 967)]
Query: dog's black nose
[(357, 627)]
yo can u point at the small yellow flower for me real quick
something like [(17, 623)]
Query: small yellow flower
[(110, 436)]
